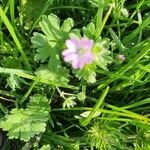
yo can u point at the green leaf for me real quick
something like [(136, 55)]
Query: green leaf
[(102, 54), (13, 81), (45, 147), (87, 73), (117, 40), (39, 103), (50, 25), (67, 25), (89, 31), (26, 123), (54, 61), (49, 44), (59, 77), (75, 33), (42, 46), (94, 3)]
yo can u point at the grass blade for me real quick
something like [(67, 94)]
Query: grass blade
[(135, 60), (13, 34), (138, 30), (97, 106)]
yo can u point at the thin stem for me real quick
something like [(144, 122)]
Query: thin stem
[(28, 92), (112, 112), (28, 75), (97, 106), (6, 99)]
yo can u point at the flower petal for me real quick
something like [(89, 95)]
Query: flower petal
[(86, 44), (81, 63), (78, 52), (66, 52), (70, 58), (72, 44), (88, 58)]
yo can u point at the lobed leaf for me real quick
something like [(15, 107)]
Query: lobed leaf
[(26, 123), (60, 76), (42, 46), (49, 43)]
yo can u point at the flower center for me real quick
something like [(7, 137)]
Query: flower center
[(81, 51)]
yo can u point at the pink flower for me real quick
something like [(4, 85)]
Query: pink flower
[(121, 57), (78, 52)]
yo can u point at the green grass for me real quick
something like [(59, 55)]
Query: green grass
[(46, 104)]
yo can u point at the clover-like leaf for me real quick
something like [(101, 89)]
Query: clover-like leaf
[(26, 123)]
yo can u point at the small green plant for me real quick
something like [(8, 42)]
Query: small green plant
[(26, 123), (74, 74)]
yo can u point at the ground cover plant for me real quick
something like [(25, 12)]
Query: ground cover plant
[(74, 74)]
